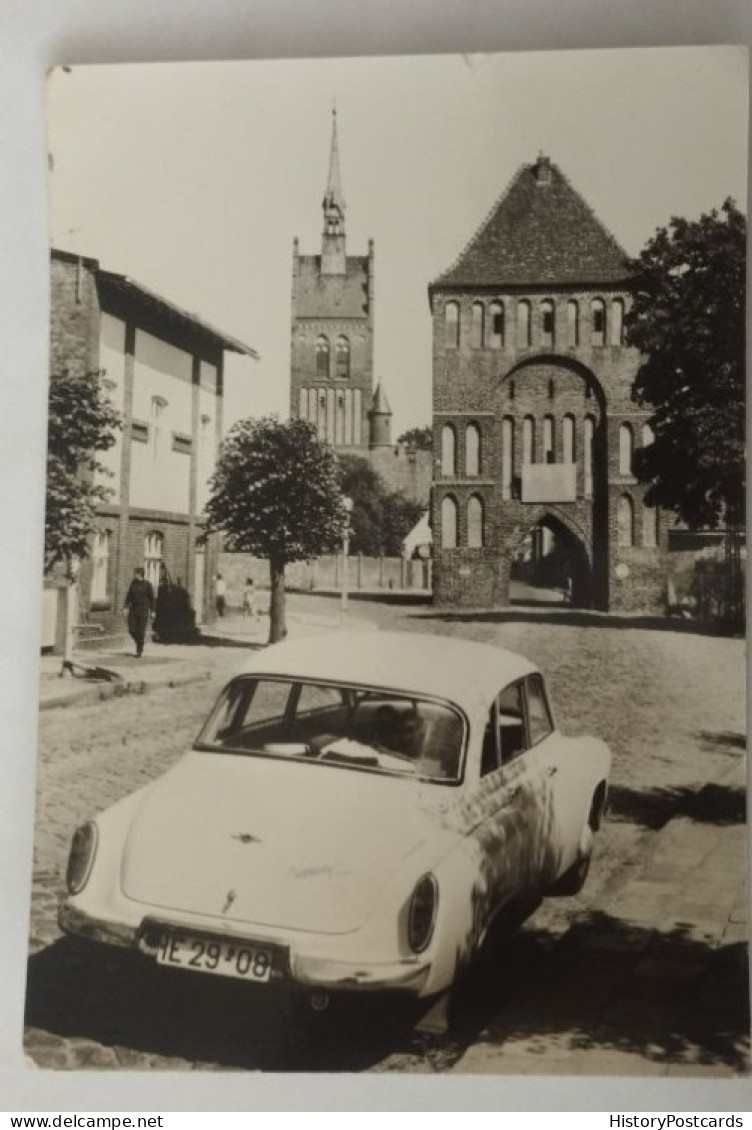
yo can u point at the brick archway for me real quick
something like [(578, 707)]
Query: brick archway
[(573, 569)]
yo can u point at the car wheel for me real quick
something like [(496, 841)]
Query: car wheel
[(573, 880)]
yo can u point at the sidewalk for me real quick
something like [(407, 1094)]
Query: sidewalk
[(656, 981), (114, 670)]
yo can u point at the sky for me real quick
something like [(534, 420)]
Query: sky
[(194, 178)]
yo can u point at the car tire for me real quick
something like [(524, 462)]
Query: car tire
[(574, 879)]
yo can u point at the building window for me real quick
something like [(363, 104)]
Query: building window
[(342, 351), (476, 339), (617, 322), (495, 338), (587, 452), (548, 440), (573, 324), (100, 559), (547, 323), (448, 452), (475, 523), (156, 424), (448, 523), (322, 357), (523, 324), (598, 311), (625, 522), (153, 555), (472, 450), (507, 456), (626, 446), (451, 325), (528, 440), (512, 390), (650, 526), (568, 454)]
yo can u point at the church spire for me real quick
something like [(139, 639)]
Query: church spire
[(333, 256)]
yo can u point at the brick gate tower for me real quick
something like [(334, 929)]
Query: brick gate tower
[(534, 422)]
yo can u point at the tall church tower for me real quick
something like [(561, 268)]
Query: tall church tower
[(331, 380)]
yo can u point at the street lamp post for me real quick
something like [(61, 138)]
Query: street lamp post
[(348, 505)]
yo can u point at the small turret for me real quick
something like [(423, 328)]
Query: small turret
[(380, 420)]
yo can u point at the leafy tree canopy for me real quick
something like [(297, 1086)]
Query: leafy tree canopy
[(688, 320), (380, 518), (275, 493), (421, 439), (82, 423)]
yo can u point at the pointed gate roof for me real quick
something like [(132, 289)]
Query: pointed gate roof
[(540, 231)]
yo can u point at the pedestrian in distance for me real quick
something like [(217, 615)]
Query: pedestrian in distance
[(138, 608), (221, 595), (249, 598)]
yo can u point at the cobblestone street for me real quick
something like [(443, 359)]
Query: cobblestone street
[(551, 997)]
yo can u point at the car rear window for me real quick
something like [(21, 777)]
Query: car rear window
[(347, 726)]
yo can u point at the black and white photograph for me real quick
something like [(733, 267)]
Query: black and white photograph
[(392, 672)]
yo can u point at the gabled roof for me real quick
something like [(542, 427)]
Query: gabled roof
[(540, 232)]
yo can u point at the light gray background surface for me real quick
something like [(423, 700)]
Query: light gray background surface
[(34, 35)]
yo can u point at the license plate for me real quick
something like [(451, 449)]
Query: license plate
[(227, 959)]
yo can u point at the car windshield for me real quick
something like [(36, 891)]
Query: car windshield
[(348, 726)]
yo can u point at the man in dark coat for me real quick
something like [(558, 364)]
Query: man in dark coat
[(139, 605)]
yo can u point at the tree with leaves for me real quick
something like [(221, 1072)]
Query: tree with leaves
[(419, 439), (275, 493), (82, 423), (688, 321), (380, 518)]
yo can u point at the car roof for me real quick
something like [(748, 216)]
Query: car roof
[(467, 673)]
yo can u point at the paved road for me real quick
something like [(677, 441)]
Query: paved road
[(84, 1011)]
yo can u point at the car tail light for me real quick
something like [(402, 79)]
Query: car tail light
[(82, 852), (422, 916)]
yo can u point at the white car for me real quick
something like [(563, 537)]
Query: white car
[(354, 813)]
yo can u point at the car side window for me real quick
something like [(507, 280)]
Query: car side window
[(539, 716), (511, 722)]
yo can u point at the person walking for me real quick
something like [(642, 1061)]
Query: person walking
[(249, 598), (221, 591), (138, 607)]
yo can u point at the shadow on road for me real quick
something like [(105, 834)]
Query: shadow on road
[(606, 986), (652, 808), (545, 613)]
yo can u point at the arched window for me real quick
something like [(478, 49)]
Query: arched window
[(548, 328), (568, 453), (322, 357), (342, 358), (451, 325), (648, 435), (507, 456), (588, 433), (100, 558), (472, 450), (475, 523), (448, 452), (649, 526), (626, 447), (625, 522), (153, 544), (598, 313), (528, 440), (523, 323), (448, 523), (476, 339), (573, 323), (548, 439), (303, 408), (617, 322), (156, 424), (495, 334)]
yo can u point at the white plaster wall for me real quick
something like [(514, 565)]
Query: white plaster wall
[(160, 479), (207, 431), (112, 361)]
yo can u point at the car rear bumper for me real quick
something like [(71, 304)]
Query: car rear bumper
[(408, 975)]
